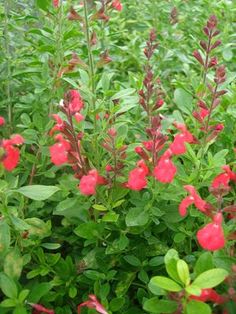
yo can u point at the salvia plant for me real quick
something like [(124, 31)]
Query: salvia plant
[(117, 157)]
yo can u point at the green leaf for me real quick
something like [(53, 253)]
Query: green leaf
[(43, 4), (132, 260), (8, 303), (204, 263), (20, 310), (116, 304), (8, 286), (166, 283), (38, 192), (72, 292), (51, 246), (13, 264), (123, 93), (99, 207), (23, 295), (183, 271), (197, 307), (193, 290), (154, 305), (136, 217), (183, 100), (210, 278), (89, 230), (5, 236), (111, 217), (38, 291)]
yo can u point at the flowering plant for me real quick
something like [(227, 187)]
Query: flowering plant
[(117, 158)]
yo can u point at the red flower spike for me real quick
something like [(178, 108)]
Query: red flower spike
[(211, 237), (92, 303), (2, 121), (193, 198), (117, 5), (38, 309)]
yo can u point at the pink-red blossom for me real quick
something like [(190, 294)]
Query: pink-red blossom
[(76, 102), (40, 309), (92, 303), (2, 121), (59, 151), (117, 5), (55, 3), (89, 182), (223, 179), (11, 154), (165, 169), (178, 146), (137, 177), (211, 237), (209, 295), (193, 198)]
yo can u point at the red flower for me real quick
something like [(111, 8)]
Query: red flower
[(89, 182), (165, 170), (223, 179), (76, 102), (79, 117), (59, 151), (178, 145), (93, 303), (60, 125), (209, 295), (211, 237), (55, 3), (193, 198), (204, 113), (38, 309), (12, 157), (117, 5), (148, 145), (87, 185), (11, 154), (137, 179), (2, 121)]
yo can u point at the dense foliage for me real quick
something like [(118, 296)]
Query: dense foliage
[(117, 157)]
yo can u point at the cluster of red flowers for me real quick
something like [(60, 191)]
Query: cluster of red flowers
[(164, 168), (9, 153), (68, 147), (211, 237)]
